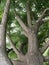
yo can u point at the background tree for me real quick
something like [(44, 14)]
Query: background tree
[(26, 25)]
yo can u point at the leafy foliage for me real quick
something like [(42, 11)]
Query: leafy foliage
[(43, 33)]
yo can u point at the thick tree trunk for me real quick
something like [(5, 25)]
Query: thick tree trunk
[(34, 56), (34, 59), (3, 56)]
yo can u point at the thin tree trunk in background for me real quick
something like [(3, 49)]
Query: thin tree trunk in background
[(34, 56)]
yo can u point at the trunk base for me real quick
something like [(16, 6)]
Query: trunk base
[(34, 59)]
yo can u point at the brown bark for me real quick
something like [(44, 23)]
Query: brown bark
[(34, 56)]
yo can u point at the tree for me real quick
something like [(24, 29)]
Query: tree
[(28, 15)]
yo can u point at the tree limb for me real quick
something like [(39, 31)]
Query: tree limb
[(5, 14), (24, 27), (37, 25), (42, 15), (40, 21), (28, 14), (45, 46), (18, 52)]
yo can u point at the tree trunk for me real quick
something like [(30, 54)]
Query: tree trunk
[(34, 59), (3, 56), (34, 56)]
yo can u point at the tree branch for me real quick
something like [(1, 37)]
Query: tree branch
[(24, 27), (5, 14), (40, 21), (28, 14), (25, 33), (45, 46), (18, 52), (46, 58), (42, 15)]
